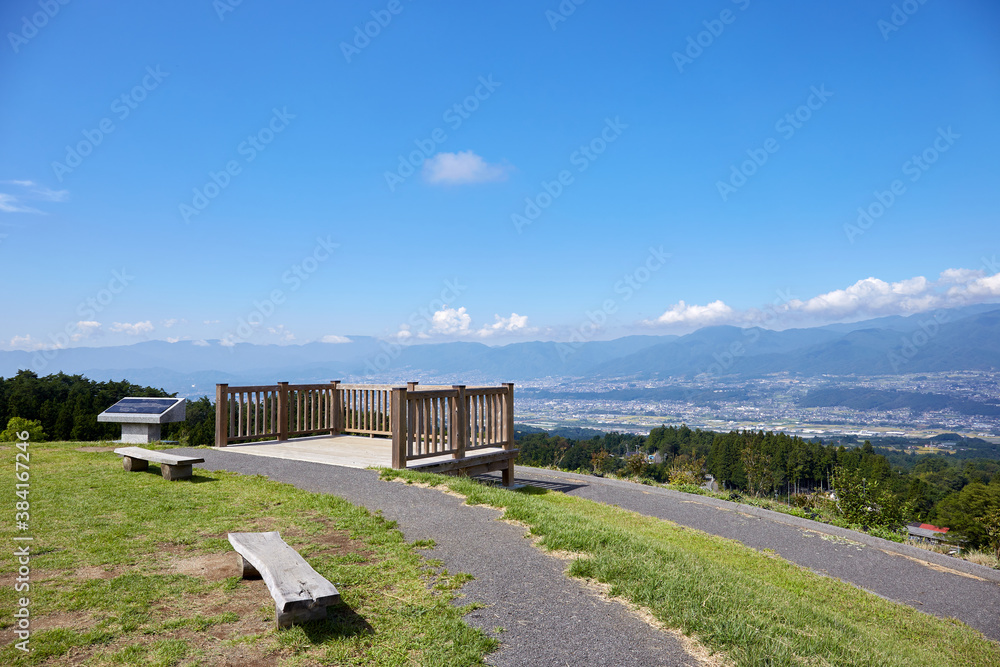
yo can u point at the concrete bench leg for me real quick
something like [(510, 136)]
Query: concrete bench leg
[(170, 473), (134, 465)]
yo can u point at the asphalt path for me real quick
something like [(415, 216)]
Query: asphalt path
[(546, 617), (933, 583)]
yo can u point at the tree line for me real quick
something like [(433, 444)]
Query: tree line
[(65, 407)]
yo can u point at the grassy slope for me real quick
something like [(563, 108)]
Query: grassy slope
[(756, 607), (86, 512)]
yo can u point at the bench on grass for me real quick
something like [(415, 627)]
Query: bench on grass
[(300, 593), (172, 467)]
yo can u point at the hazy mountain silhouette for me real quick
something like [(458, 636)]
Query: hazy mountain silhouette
[(956, 339)]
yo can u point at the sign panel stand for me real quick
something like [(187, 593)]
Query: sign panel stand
[(141, 418)]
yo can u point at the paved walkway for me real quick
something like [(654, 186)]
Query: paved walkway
[(931, 582), (547, 617), (526, 592)]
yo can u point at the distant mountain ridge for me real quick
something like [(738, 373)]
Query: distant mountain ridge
[(957, 339)]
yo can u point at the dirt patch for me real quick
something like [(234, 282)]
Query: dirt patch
[(96, 572), (263, 524), (172, 549), (210, 567), (327, 540), (77, 620)]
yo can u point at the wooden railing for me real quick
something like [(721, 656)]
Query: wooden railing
[(274, 412), (366, 408), (430, 422), (452, 421), (422, 421)]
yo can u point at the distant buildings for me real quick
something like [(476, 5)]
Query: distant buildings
[(925, 532)]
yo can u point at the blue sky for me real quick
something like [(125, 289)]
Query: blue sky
[(494, 172)]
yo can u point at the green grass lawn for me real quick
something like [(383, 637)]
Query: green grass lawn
[(755, 607), (127, 568)]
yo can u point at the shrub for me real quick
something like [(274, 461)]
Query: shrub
[(18, 425), (866, 503), (803, 500), (637, 465), (687, 471)]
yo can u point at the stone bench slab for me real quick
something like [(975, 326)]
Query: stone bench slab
[(300, 593), (171, 467)]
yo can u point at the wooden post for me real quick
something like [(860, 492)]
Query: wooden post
[(335, 407), (221, 415), (397, 424), (458, 423), (282, 411), (508, 427), (508, 416), (411, 386)]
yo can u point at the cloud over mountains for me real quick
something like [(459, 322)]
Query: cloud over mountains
[(869, 297)]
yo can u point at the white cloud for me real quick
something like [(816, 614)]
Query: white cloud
[(451, 321), (173, 321), (960, 276), (86, 329), (136, 329), (505, 325), (681, 313), (978, 290), (457, 323), (9, 204), (462, 167), (212, 322), (869, 297), (50, 195), (283, 334), (201, 343), (335, 339), (26, 343)]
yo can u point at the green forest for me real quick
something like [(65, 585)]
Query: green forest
[(65, 407), (875, 491)]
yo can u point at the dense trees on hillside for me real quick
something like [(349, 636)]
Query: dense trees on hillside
[(870, 490), (67, 406)]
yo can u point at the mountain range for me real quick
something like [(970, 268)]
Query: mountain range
[(946, 340)]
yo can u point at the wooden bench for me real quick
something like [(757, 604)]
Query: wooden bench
[(475, 465), (171, 467), (300, 593)]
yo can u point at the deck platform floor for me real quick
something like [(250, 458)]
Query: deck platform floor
[(349, 451)]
